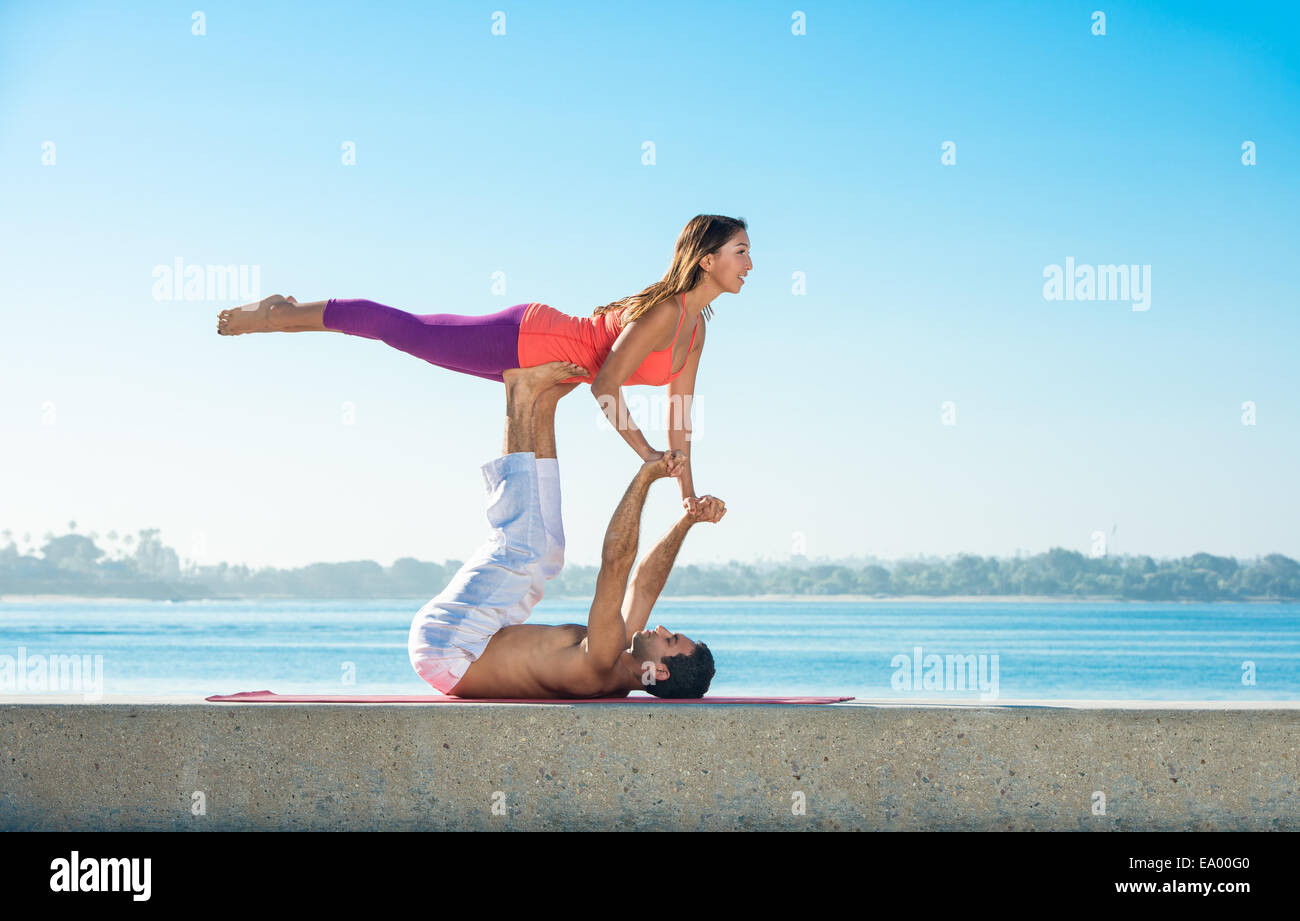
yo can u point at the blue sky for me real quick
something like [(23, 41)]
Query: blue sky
[(819, 414)]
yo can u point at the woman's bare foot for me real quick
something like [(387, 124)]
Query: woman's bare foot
[(529, 383), (270, 314)]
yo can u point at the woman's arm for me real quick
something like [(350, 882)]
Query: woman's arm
[(634, 343), (681, 392)]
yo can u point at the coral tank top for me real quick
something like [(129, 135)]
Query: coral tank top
[(547, 334)]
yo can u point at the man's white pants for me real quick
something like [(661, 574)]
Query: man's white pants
[(505, 577)]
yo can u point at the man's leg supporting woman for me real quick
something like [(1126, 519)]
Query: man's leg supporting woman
[(501, 582), (548, 476)]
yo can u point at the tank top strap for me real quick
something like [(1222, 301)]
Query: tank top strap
[(672, 349)]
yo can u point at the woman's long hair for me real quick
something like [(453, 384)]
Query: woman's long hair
[(703, 234)]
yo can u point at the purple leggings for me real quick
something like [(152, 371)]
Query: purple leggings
[(482, 346)]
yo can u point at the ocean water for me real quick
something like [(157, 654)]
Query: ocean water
[(1068, 650)]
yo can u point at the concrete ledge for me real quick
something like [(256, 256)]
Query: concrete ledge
[(114, 765)]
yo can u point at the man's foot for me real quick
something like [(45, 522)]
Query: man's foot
[(550, 397), (267, 315), (525, 385)]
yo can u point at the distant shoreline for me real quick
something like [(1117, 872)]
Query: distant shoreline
[(862, 599)]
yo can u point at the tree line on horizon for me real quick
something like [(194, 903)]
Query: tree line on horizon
[(141, 566)]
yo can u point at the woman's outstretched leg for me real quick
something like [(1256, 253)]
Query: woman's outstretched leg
[(483, 346)]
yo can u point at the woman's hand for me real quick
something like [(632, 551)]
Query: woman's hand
[(704, 508), (666, 464)]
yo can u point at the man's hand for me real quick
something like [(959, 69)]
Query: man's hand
[(692, 504), (667, 463), (704, 508)]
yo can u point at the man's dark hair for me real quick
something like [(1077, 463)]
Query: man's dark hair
[(688, 675)]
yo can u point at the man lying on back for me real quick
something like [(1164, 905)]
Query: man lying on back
[(471, 640)]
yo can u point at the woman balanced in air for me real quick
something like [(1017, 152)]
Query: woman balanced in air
[(654, 337)]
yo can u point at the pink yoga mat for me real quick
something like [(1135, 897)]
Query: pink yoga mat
[(270, 697)]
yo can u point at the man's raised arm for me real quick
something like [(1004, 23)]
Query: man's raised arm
[(653, 570), (605, 625)]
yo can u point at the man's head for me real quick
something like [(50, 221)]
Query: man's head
[(682, 668)]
